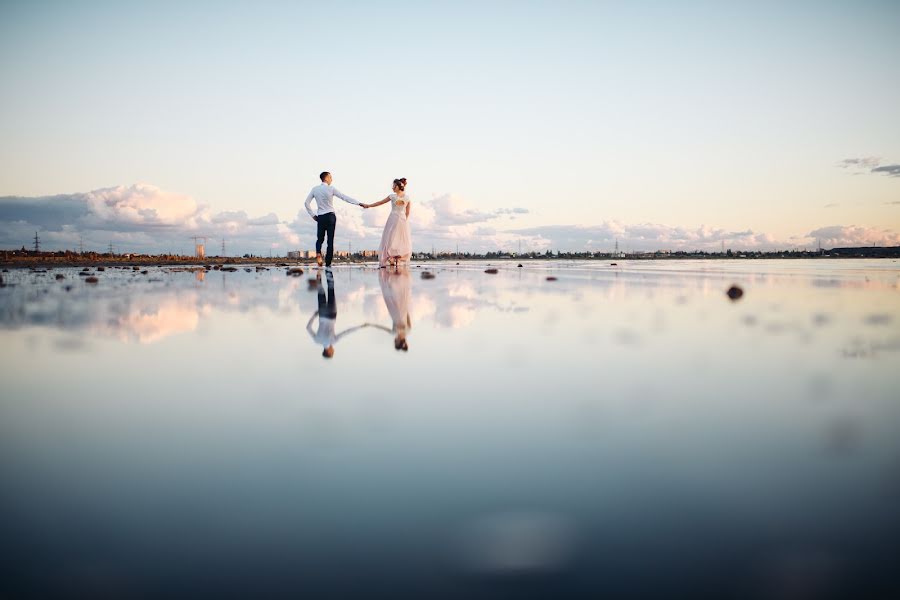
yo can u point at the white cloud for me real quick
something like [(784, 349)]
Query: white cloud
[(839, 236)]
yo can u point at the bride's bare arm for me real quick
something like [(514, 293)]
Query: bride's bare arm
[(379, 203), (407, 209)]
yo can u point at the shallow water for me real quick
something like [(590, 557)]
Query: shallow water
[(624, 429)]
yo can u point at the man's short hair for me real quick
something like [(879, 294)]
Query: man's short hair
[(323, 175)]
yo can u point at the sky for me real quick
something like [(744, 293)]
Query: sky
[(557, 125)]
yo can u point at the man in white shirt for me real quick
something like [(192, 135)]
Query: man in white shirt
[(324, 215)]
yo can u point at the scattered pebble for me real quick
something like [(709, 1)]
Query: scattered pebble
[(135, 268), (878, 319), (427, 275), (91, 279), (60, 276), (85, 270), (295, 272), (101, 268), (551, 278), (229, 269), (614, 264), (520, 265), (248, 269), (491, 271), (82, 274), (144, 272), (735, 293)]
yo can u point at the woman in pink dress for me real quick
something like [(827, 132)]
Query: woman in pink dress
[(396, 244)]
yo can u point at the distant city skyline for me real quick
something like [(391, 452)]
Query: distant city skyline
[(558, 126)]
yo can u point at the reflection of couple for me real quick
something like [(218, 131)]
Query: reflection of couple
[(396, 244), (395, 289)]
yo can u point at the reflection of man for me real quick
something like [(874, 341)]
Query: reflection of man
[(327, 314)]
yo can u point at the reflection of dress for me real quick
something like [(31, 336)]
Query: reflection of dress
[(395, 287), (395, 241)]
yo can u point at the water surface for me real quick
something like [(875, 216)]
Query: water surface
[(623, 429)]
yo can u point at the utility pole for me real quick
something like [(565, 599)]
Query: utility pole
[(223, 247), (37, 243), (110, 249), (80, 244)]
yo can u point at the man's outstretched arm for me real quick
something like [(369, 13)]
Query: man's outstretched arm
[(308, 205), (345, 197)]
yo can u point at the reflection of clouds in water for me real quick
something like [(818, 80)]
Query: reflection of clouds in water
[(151, 322)]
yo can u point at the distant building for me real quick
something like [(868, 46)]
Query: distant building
[(295, 254)]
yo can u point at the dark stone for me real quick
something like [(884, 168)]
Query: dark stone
[(60, 276), (295, 272), (91, 279), (491, 271), (144, 272), (82, 274), (248, 269), (427, 275), (101, 268), (85, 270), (520, 265), (614, 264), (551, 278), (735, 293), (229, 269), (135, 268)]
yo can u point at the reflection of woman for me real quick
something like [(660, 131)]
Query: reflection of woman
[(395, 288), (396, 244)]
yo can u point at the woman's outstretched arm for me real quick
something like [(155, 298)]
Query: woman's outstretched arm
[(379, 203), (407, 209)]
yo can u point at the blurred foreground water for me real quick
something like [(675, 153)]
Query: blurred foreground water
[(622, 430)]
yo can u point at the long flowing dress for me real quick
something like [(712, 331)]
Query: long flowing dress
[(395, 241)]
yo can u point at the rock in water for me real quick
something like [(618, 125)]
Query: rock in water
[(91, 280), (551, 278), (735, 293), (295, 272), (520, 265), (427, 275), (491, 271), (60, 276)]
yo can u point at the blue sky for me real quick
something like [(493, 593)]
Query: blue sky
[(560, 124)]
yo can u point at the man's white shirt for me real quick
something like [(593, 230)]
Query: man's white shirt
[(324, 195)]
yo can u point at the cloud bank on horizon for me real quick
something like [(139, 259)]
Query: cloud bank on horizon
[(144, 218)]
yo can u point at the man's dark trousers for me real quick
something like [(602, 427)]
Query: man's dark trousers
[(326, 224)]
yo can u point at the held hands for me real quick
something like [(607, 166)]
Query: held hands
[(363, 205)]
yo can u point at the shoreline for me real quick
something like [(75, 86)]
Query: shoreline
[(50, 262)]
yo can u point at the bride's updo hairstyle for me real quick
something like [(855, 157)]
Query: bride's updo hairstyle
[(400, 183)]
